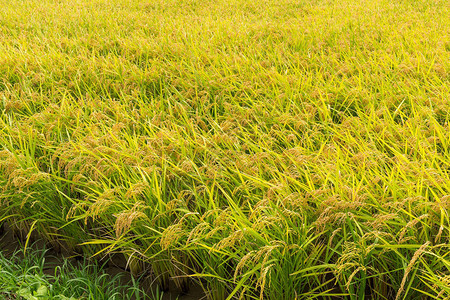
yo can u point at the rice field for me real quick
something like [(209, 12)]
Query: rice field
[(267, 149)]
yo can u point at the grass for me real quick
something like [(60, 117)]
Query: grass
[(27, 277), (270, 149)]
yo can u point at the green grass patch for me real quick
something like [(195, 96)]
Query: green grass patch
[(29, 277)]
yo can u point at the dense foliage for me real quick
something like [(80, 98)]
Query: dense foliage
[(270, 149)]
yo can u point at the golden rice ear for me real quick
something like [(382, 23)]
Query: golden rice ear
[(136, 190), (229, 242), (125, 219), (242, 263), (171, 235), (410, 224), (264, 279), (413, 260), (198, 232)]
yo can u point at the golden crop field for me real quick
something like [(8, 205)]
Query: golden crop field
[(267, 149)]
